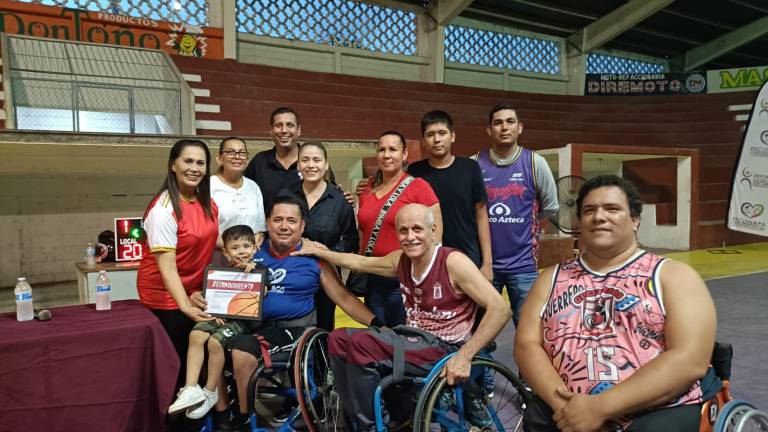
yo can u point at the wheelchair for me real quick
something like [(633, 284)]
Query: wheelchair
[(441, 407), (301, 378), (723, 413)]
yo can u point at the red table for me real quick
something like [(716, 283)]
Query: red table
[(86, 370)]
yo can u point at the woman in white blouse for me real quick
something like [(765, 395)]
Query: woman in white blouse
[(238, 198)]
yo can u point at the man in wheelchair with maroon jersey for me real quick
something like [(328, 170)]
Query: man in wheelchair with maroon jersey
[(442, 290)]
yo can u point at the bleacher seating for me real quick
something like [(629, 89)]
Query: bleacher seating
[(335, 106)]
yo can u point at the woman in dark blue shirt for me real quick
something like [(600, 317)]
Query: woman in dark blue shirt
[(331, 218)]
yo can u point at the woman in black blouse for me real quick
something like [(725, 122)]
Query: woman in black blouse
[(331, 218)]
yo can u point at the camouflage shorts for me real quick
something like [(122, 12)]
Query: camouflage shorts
[(222, 333)]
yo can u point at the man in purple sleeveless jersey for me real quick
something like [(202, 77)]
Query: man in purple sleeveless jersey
[(441, 289), (521, 190)]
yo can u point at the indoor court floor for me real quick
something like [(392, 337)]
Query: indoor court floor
[(736, 277)]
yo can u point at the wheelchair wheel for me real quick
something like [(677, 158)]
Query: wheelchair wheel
[(318, 399), (730, 415), (469, 406), (753, 421)]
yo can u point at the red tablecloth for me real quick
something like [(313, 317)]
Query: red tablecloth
[(86, 370)]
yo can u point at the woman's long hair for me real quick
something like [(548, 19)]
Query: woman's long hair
[(203, 190)]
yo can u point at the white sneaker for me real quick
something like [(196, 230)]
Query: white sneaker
[(188, 397), (211, 397)]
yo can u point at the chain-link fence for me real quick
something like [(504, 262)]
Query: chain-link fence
[(603, 63), (475, 46), (64, 86), (332, 22), (194, 12)]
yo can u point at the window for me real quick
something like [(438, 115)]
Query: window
[(502, 50), (603, 63), (333, 22)]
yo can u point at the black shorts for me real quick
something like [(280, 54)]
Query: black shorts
[(278, 340), (683, 418), (279, 335)]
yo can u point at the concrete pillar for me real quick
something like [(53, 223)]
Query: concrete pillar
[(430, 43), (223, 14), (576, 67)]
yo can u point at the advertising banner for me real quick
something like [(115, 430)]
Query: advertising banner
[(102, 27), (733, 80), (644, 84), (749, 188)]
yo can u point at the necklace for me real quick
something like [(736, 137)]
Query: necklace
[(503, 161)]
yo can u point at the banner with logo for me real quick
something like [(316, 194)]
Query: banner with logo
[(733, 80), (749, 189), (102, 27), (644, 84)]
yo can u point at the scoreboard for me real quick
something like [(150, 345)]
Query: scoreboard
[(129, 236)]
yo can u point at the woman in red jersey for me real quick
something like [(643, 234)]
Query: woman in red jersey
[(182, 226)]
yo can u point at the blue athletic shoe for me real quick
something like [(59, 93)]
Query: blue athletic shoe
[(445, 403), (477, 412)]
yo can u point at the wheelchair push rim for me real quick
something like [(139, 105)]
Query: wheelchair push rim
[(469, 407), (730, 414), (318, 400), (753, 421)]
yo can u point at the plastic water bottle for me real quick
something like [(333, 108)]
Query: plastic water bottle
[(90, 255), (103, 289), (24, 308)]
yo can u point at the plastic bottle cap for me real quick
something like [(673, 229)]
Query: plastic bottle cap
[(21, 279), (102, 271)]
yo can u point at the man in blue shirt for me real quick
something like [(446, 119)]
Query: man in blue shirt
[(289, 307)]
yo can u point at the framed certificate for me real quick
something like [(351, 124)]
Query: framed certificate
[(231, 293)]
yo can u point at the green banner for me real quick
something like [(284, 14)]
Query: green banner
[(733, 80)]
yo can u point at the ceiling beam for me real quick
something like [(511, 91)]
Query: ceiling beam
[(446, 10), (698, 19), (614, 23), (527, 22), (556, 9), (750, 5), (715, 48)]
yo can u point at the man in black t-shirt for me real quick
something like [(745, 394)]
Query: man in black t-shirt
[(458, 184), (275, 169)]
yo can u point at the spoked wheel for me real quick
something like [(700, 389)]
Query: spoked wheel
[(753, 421), (476, 405), (731, 414), (318, 399), (268, 389)]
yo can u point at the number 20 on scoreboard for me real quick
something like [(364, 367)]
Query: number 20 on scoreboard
[(129, 236)]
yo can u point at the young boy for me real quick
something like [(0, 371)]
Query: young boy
[(239, 247)]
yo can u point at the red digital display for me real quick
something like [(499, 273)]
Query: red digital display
[(129, 236)]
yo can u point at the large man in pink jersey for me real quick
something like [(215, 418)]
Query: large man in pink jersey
[(619, 338), (441, 289)]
